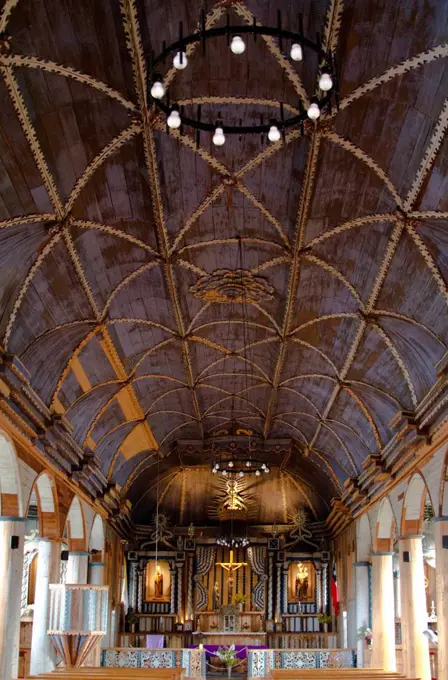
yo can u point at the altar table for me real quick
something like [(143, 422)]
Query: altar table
[(243, 638), (241, 650)]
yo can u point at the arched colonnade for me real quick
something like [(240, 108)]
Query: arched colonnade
[(67, 545)]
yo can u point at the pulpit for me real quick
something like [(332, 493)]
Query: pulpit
[(77, 621)]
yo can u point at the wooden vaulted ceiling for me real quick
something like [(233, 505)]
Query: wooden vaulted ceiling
[(108, 220)]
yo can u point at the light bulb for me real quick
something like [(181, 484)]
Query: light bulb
[(313, 111), (224, 472), (325, 82), (296, 52), (237, 45), (266, 469), (217, 466), (177, 63), (248, 463), (274, 134), (230, 463), (263, 465), (258, 473), (241, 474), (214, 471), (157, 89), (173, 119), (219, 137)]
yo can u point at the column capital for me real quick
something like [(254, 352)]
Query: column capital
[(404, 538), (382, 554), (77, 553)]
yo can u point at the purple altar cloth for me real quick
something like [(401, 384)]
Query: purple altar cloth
[(241, 650)]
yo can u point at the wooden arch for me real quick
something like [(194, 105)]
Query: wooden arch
[(385, 527), (76, 526), (45, 490), (97, 540), (413, 505)]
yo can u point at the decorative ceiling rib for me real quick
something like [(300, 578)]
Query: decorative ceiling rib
[(108, 221)]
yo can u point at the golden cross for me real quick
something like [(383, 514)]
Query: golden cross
[(231, 567)]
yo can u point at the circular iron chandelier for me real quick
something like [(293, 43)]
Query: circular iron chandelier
[(239, 467), (275, 129)]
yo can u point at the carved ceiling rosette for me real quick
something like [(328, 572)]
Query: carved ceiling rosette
[(227, 285)]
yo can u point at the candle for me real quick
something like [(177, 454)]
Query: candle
[(201, 647)]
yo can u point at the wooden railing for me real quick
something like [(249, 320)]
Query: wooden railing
[(302, 640)]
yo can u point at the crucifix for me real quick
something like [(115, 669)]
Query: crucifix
[(231, 567)]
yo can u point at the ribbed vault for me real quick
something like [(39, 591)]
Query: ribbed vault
[(107, 221)]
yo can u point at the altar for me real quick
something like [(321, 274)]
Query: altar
[(224, 639)]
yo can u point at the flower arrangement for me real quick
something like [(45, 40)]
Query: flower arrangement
[(132, 619), (240, 598), (228, 655), (324, 618), (365, 633), (213, 625), (245, 626)]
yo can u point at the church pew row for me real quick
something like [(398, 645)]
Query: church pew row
[(119, 673), (334, 674)]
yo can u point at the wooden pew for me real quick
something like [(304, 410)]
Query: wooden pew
[(111, 673), (334, 674)]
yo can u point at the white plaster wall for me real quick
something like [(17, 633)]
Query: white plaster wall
[(433, 473), (27, 477)]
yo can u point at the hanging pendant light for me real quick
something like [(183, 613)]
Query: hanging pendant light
[(180, 61), (219, 137), (274, 133), (296, 52), (157, 88), (173, 120), (325, 81), (237, 45), (314, 110)]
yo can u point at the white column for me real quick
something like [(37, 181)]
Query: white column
[(383, 614), (414, 617), (77, 567), (441, 531), (362, 605), (48, 569), (11, 572), (97, 573)]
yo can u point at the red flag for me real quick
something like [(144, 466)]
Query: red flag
[(334, 592)]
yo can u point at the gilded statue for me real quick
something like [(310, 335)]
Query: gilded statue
[(302, 581), (216, 597), (158, 583)]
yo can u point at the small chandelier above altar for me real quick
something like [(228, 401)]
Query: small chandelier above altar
[(233, 541), (239, 467)]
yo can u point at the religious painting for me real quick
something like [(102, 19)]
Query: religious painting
[(302, 582), (158, 581)]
